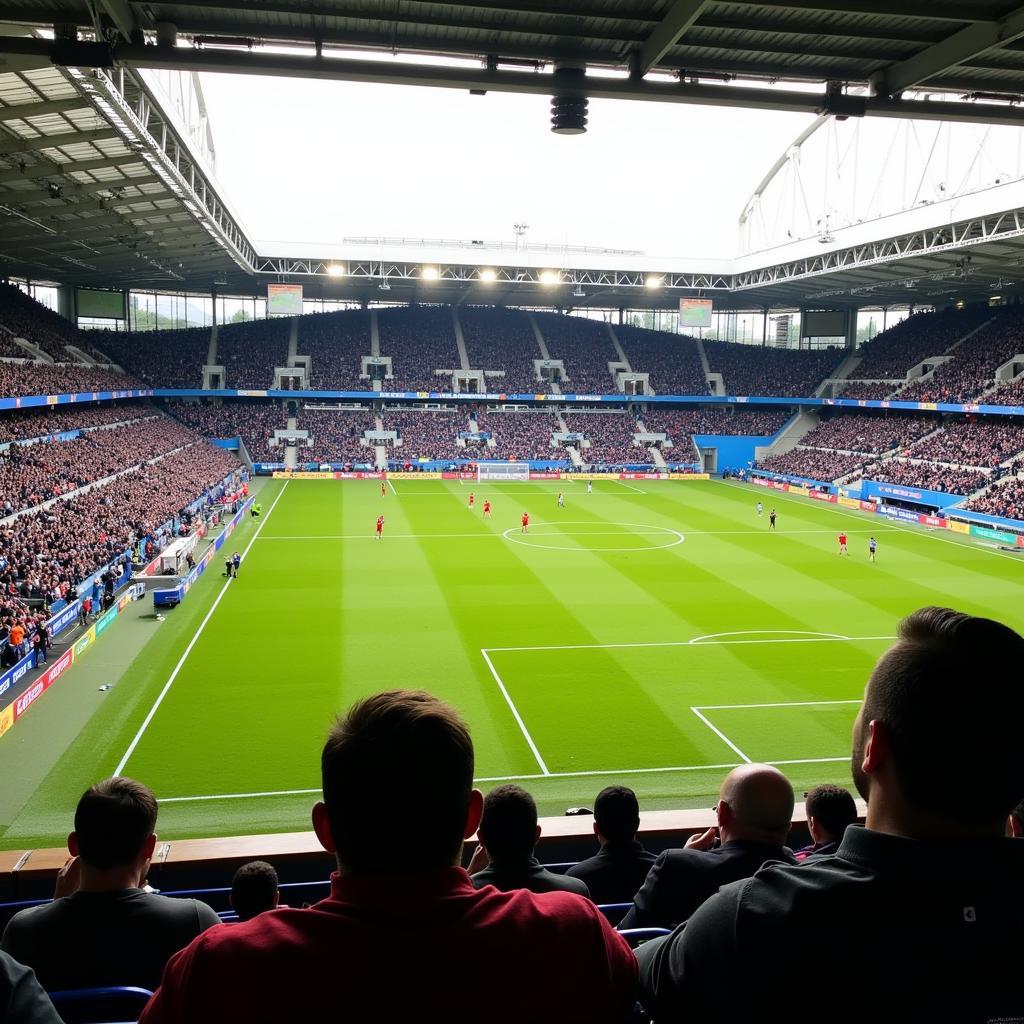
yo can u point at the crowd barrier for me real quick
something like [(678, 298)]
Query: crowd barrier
[(13, 712), (171, 596)]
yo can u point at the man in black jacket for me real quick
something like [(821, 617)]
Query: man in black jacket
[(755, 811), (917, 917), (504, 857), (618, 870)]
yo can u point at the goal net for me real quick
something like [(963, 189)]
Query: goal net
[(503, 471)]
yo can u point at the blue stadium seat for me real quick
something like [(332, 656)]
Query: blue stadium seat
[(637, 936), (615, 912), (100, 1005)]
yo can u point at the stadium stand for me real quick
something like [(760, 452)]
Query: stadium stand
[(335, 343), (1005, 498), (973, 444), (871, 434), (18, 379), (1008, 394), (891, 354), (501, 339), (756, 370), (929, 475), (813, 463), (671, 360), (25, 424), (336, 434), (752, 422), (585, 348), (163, 359), (253, 421), (249, 351), (419, 339), (874, 391), (31, 320), (425, 435), (610, 436), (517, 435), (971, 371)]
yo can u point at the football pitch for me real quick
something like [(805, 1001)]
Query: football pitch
[(653, 634)]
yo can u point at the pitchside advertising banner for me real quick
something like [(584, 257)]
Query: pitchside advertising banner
[(472, 476)]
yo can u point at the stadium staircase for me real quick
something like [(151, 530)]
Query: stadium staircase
[(539, 335), (619, 350), (791, 435), (715, 381), (657, 458), (970, 334), (374, 334), (81, 356), (460, 341), (293, 342), (211, 352), (31, 351), (380, 457), (843, 373)]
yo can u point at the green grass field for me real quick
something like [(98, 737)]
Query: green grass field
[(652, 633)]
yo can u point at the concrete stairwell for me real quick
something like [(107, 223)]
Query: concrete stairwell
[(460, 341), (843, 372), (574, 455), (619, 350), (80, 355), (374, 334), (211, 352), (539, 335), (970, 334), (380, 456), (656, 457), (293, 342), (792, 434), (31, 351)]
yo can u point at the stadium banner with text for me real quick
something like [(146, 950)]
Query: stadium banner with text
[(984, 519), (797, 489), (935, 521), (918, 495), (6, 719), (989, 534), (851, 503), (868, 506), (821, 496), (85, 640), (904, 515), (43, 683), (17, 672), (689, 476), (958, 527), (64, 618), (33, 401)]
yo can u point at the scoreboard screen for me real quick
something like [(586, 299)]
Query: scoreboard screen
[(284, 299), (695, 312)]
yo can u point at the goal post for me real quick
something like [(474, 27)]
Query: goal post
[(502, 471)]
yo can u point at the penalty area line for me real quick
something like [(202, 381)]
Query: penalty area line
[(516, 715), (534, 777), (188, 650)]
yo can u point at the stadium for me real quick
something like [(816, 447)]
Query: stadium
[(639, 520)]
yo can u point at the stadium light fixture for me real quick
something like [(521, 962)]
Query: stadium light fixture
[(429, 273), (336, 270), (488, 276), (654, 281), (549, 277)]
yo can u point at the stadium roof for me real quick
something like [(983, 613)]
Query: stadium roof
[(101, 180)]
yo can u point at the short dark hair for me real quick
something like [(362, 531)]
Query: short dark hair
[(617, 813), (397, 773), (832, 807), (949, 695), (254, 889), (508, 828), (113, 820)]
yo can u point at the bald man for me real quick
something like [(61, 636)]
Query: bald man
[(754, 810)]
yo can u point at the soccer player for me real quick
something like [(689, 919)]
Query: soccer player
[(590, 487), (487, 508), (526, 522), (561, 500), (383, 488), (472, 500), (843, 550), (872, 545), (380, 527), (760, 510), (236, 561), (227, 566), (771, 520)]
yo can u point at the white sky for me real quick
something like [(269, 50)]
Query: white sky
[(315, 162)]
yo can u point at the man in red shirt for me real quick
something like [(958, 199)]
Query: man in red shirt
[(380, 527), (472, 500), (404, 935), (526, 522), (842, 544), (487, 508)]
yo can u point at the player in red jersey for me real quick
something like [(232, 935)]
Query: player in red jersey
[(526, 522), (842, 544), (380, 527), (487, 508), (472, 500)]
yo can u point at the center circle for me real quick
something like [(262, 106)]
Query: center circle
[(671, 537)]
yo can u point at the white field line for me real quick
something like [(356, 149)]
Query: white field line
[(721, 735), (394, 490), (778, 704), (629, 487), (890, 524), (690, 643), (498, 536), (535, 777), (188, 650), (515, 714)]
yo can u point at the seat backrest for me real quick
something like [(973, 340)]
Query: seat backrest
[(99, 1005), (638, 936)]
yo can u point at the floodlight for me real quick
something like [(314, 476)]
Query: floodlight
[(488, 275), (654, 281), (429, 273), (336, 270), (549, 277)]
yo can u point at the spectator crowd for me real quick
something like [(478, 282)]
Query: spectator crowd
[(501, 339), (518, 435), (1005, 498), (611, 437), (336, 343), (759, 370)]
